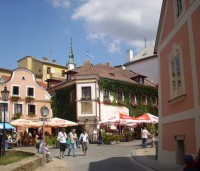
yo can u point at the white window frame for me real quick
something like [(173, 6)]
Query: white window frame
[(176, 53), (135, 98), (18, 90), (27, 91), (105, 97), (14, 108), (35, 108), (176, 15)]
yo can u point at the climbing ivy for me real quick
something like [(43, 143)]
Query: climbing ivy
[(115, 86), (62, 107)]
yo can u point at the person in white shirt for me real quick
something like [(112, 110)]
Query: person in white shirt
[(145, 135), (73, 138), (62, 136), (84, 141)]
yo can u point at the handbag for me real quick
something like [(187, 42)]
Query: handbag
[(68, 141)]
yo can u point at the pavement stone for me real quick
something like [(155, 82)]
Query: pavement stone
[(147, 157)]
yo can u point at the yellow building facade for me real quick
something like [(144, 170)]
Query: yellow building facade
[(43, 68)]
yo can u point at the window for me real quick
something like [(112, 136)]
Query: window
[(72, 96), (154, 101), (68, 77), (17, 108), (63, 73), (106, 94), (30, 91), (179, 7), (144, 100), (119, 96), (31, 109), (141, 80), (48, 70), (133, 98), (15, 90), (2, 112), (86, 92), (176, 73)]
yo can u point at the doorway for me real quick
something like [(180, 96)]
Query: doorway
[(180, 151)]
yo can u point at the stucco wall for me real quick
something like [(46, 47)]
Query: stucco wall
[(147, 67)]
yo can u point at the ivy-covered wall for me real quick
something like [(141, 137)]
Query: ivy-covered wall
[(62, 107), (115, 86)]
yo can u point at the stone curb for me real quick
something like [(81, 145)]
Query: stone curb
[(28, 164)]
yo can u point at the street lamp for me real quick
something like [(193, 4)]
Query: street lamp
[(4, 95)]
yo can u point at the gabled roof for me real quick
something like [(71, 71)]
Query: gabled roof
[(144, 54), (4, 78), (42, 84), (114, 73)]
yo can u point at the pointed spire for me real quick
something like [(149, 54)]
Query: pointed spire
[(71, 62)]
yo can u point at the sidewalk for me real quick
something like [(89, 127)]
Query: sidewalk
[(147, 157)]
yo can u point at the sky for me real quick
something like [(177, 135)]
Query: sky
[(101, 30)]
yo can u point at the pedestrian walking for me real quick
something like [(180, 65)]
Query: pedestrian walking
[(62, 136), (100, 137), (84, 141), (145, 134), (73, 137)]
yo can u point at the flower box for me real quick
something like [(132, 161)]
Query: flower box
[(29, 99), (31, 114), (121, 103), (85, 98), (15, 98), (107, 101), (134, 104)]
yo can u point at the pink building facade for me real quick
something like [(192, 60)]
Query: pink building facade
[(178, 49), (26, 96)]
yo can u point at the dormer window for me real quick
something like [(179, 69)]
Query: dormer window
[(138, 79), (141, 80)]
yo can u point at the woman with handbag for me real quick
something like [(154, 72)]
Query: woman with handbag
[(84, 141)]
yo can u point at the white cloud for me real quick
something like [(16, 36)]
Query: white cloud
[(113, 22), (60, 3)]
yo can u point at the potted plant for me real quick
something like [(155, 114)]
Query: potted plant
[(16, 116), (127, 135), (15, 98), (31, 114), (85, 98), (29, 99)]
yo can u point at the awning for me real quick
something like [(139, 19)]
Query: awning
[(7, 126)]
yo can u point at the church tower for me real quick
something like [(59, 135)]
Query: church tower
[(71, 63)]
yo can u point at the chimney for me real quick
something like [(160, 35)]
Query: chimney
[(45, 58), (54, 61), (129, 55), (107, 64)]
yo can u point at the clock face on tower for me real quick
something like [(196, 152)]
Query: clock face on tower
[(44, 111)]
